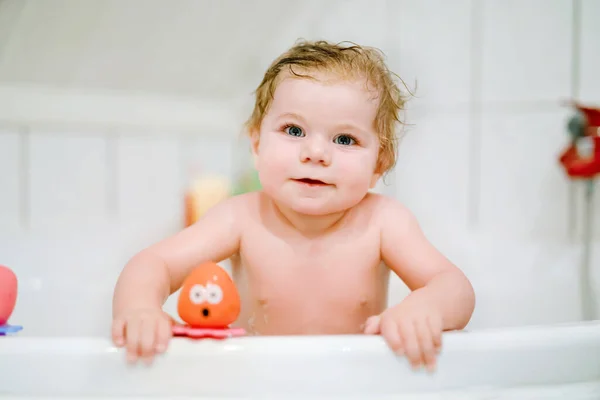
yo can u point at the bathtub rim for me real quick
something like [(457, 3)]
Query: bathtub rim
[(529, 336), (331, 365)]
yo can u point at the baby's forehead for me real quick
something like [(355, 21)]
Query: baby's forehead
[(317, 83), (340, 96)]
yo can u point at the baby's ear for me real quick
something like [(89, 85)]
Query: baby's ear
[(374, 179), (254, 142), (380, 169)]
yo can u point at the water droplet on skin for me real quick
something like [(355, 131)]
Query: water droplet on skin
[(264, 305), (251, 326)]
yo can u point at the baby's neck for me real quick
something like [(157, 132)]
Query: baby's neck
[(309, 225)]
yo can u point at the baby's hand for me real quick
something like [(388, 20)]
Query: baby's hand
[(144, 332), (413, 327)]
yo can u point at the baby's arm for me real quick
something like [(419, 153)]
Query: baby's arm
[(159, 270), (442, 297), (406, 251)]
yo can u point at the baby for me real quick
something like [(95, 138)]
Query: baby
[(311, 252)]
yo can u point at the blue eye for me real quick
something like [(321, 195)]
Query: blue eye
[(294, 131), (344, 140)]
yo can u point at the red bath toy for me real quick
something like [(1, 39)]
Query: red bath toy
[(8, 299), (581, 159), (208, 303)]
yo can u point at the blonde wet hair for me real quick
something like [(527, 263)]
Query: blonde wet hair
[(345, 60)]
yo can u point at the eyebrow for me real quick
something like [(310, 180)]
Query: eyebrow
[(350, 127), (291, 115)]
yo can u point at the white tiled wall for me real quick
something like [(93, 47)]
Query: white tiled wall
[(431, 48), (10, 212), (523, 193), (432, 172), (589, 65), (66, 179), (477, 164), (148, 178), (526, 50)]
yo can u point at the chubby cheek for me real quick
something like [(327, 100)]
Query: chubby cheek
[(355, 173), (273, 161)]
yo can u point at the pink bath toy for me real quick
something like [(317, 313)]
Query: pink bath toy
[(8, 299), (215, 333)]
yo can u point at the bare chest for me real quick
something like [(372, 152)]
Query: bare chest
[(311, 281), (311, 263)]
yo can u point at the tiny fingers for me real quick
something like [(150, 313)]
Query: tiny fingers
[(147, 339), (411, 343), (118, 332), (435, 325), (425, 340), (372, 325), (143, 334), (132, 339), (163, 335), (391, 334)]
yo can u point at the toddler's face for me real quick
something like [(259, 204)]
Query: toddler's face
[(317, 148)]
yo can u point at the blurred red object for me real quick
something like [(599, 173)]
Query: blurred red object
[(8, 293), (581, 159)]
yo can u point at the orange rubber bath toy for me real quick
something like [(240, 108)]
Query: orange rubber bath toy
[(208, 303)]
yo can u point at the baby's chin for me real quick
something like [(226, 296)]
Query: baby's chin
[(316, 207), (319, 204)]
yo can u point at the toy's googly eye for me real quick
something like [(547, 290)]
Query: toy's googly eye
[(214, 293), (197, 294)]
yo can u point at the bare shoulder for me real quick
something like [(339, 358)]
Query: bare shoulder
[(386, 211), (241, 201), (248, 205), (245, 211), (237, 206)]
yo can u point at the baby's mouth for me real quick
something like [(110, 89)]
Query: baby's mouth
[(312, 182)]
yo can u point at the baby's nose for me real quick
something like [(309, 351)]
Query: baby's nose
[(317, 152)]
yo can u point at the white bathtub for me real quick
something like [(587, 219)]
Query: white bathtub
[(541, 362)]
